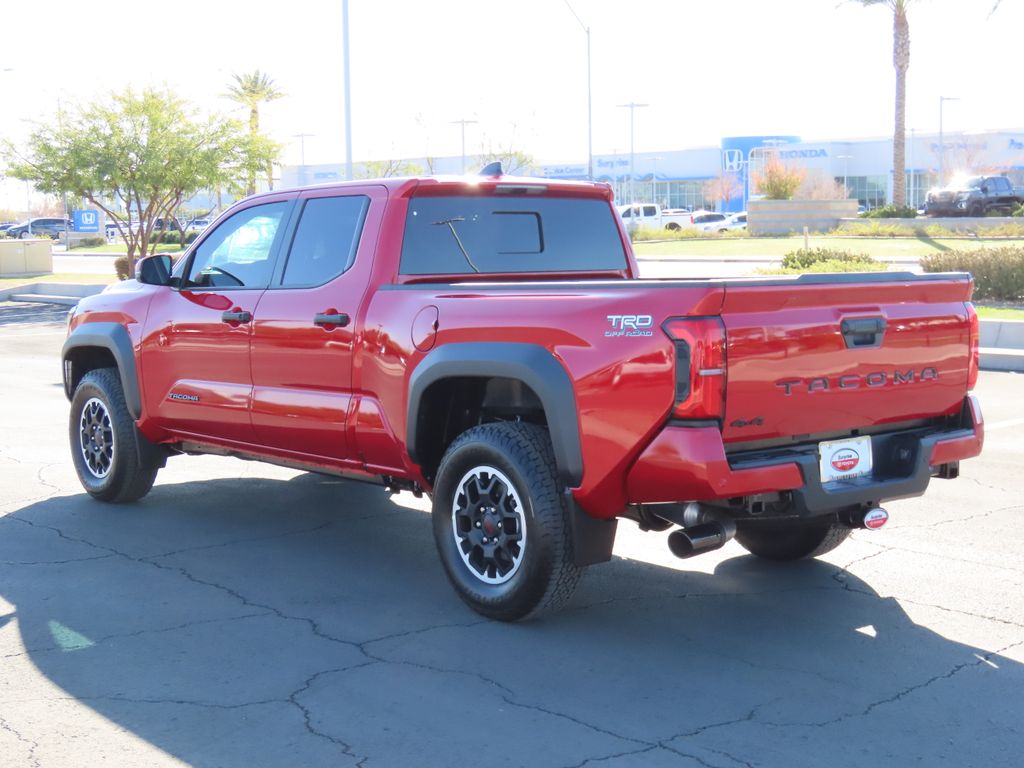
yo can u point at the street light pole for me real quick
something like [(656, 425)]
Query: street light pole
[(348, 92), (464, 122), (302, 153), (632, 106), (942, 140), (846, 167), (590, 104)]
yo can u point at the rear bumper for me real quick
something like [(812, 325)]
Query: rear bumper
[(690, 464)]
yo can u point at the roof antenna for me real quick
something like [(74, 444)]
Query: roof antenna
[(492, 169)]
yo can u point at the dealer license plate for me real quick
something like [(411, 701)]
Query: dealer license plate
[(843, 459)]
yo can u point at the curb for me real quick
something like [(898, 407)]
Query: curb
[(51, 293)]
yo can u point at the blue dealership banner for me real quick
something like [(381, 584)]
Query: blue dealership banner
[(86, 221)]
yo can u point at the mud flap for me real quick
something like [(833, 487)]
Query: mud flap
[(592, 538)]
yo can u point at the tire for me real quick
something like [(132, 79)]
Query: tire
[(25, 235), (791, 541), (104, 446), (976, 210), (493, 478), (673, 227)]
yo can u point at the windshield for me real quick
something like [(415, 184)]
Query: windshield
[(967, 182), (459, 235)]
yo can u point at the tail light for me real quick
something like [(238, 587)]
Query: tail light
[(974, 361), (700, 366)]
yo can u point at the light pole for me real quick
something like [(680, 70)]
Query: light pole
[(463, 122), (942, 140), (590, 106), (632, 107), (348, 92), (846, 167), (302, 152)]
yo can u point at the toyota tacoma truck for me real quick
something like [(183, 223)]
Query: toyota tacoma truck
[(974, 196), (487, 341)]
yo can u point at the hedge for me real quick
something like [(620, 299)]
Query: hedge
[(998, 272)]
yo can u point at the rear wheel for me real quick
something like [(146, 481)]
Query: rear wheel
[(104, 446), (791, 540), (501, 524), (672, 227)]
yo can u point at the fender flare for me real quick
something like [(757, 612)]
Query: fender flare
[(115, 339), (532, 364)]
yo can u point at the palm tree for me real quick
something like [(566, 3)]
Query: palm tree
[(901, 62), (251, 90)]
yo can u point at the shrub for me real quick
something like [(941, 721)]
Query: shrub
[(891, 212), (641, 234), (998, 272), (92, 242), (172, 237), (805, 258), (818, 260), (121, 267), (831, 265), (875, 229), (777, 180), (1018, 211)]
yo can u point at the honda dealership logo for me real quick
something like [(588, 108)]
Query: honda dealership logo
[(732, 160)]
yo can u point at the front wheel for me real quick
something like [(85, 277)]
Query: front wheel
[(791, 540), (104, 445), (501, 524)]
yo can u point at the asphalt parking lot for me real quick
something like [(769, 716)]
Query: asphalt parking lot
[(246, 615)]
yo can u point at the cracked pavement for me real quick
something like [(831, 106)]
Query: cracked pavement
[(247, 615)]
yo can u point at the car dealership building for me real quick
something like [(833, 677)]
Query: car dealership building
[(679, 178)]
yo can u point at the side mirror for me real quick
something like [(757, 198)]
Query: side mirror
[(154, 270)]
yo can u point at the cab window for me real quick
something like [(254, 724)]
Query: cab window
[(325, 240), (238, 254)]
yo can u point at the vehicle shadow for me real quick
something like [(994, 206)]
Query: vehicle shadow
[(308, 622)]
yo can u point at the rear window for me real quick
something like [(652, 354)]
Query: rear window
[(458, 235)]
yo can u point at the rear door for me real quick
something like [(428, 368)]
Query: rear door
[(308, 322), (816, 356)]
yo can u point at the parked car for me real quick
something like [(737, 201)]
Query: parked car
[(40, 227), (735, 221), (490, 343), (707, 221), (198, 225)]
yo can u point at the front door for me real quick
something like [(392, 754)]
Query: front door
[(308, 321), (195, 349)]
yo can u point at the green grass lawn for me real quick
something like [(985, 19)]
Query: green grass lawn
[(777, 247), (999, 313)]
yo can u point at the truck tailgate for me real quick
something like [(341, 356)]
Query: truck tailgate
[(834, 354)]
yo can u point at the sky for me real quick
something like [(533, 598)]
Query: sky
[(819, 69)]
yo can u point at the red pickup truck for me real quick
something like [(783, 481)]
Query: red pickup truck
[(488, 341)]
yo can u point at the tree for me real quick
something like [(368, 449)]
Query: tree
[(136, 156), (723, 188), (901, 62), (512, 160), (383, 169), (818, 185), (251, 90), (776, 180)]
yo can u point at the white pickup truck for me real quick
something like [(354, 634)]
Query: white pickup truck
[(654, 216)]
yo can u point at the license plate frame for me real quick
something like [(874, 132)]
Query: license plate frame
[(835, 457)]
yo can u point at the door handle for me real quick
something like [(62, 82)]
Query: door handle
[(863, 332), (339, 319), (236, 317)]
